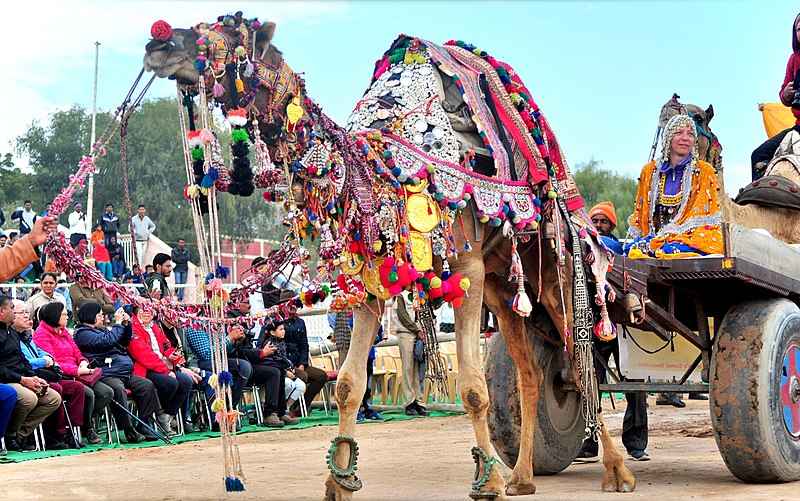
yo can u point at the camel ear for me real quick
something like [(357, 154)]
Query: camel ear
[(264, 37), (709, 113)]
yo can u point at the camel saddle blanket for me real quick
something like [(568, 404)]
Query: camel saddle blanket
[(771, 191)]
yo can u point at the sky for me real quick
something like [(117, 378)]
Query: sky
[(600, 71)]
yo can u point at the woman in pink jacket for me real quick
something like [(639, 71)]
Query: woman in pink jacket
[(53, 337)]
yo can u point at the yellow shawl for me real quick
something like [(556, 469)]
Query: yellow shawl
[(697, 223)]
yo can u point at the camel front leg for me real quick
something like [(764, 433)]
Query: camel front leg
[(497, 293), (350, 386), (617, 476), (489, 484)]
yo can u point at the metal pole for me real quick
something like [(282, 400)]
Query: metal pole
[(90, 191)]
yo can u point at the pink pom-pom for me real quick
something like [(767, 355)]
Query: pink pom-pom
[(206, 136), (218, 90)]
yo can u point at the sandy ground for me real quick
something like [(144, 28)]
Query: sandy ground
[(411, 460)]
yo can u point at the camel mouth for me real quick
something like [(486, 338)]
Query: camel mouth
[(166, 63)]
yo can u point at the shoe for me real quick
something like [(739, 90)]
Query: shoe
[(70, 440), (165, 422), (3, 452), (373, 415), (12, 444), (671, 399), (273, 421), (588, 453), (188, 427), (639, 455), (421, 410), (411, 410), (56, 444), (360, 417), (698, 396), (132, 436), (27, 444), (92, 437), (287, 419), (146, 435)]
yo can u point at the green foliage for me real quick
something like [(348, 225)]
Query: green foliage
[(155, 165), (597, 184)]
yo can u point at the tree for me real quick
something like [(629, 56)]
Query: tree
[(156, 173), (597, 184)]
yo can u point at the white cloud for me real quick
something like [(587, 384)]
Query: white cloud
[(59, 44)]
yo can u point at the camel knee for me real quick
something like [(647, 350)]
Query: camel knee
[(346, 396), (475, 399)]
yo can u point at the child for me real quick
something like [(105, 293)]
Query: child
[(100, 254)]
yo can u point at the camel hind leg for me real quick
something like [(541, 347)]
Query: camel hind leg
[(529, 377), (474, 393)]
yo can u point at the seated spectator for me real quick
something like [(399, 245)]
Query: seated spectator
[(155, 358), (81, 293), (297, 352), (263, 375), (107, 348), (199, 342), (100, 254), (43, 364), (117, 257), (3, 240), (293, 387), (8, 400), (47, 295), (35, 399), (53, 337)]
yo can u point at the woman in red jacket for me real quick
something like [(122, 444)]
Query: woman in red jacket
[(53, 337), (155, 358), (790, 96)]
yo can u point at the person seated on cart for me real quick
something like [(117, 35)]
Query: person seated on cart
[(677, 212)]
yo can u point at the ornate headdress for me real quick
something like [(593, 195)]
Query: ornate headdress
[(675, 124)]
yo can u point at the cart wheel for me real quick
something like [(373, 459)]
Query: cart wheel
[(755, 391), (560, 423)]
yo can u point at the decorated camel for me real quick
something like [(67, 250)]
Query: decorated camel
[(446, 176), (765, 204)]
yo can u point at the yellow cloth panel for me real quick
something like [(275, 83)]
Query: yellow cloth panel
[(777, 117)]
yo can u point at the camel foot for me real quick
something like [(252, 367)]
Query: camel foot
[(618, 478), (334, 492), (520, 488)]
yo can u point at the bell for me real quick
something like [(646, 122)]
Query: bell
[(632, 305), (549, 233)]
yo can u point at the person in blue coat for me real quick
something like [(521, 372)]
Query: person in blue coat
[(106, 348)]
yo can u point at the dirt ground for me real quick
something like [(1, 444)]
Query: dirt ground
[(424, 459)]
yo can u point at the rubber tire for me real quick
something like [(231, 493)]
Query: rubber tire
[(560, 423), (746, 411)]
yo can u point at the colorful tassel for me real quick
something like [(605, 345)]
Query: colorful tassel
[(522, 303), (239, 85), (218, 90), (233, 484)]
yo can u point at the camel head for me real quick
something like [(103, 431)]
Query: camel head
[(708, 146), (183, 54)]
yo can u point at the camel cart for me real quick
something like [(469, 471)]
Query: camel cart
[(740, 313)]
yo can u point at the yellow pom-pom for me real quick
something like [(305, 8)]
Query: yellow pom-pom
[(218, 405), (377, 245), (464, 284), (239, 85), (436, 282), (212, 381)]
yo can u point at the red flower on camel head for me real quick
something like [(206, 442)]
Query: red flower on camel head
[(161, 31)]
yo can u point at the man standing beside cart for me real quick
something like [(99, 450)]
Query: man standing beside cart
[(634, 425)]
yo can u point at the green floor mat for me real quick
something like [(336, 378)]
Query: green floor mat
[(316, 419)]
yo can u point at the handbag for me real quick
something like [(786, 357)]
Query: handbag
[(52, 374), (91, 379)]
